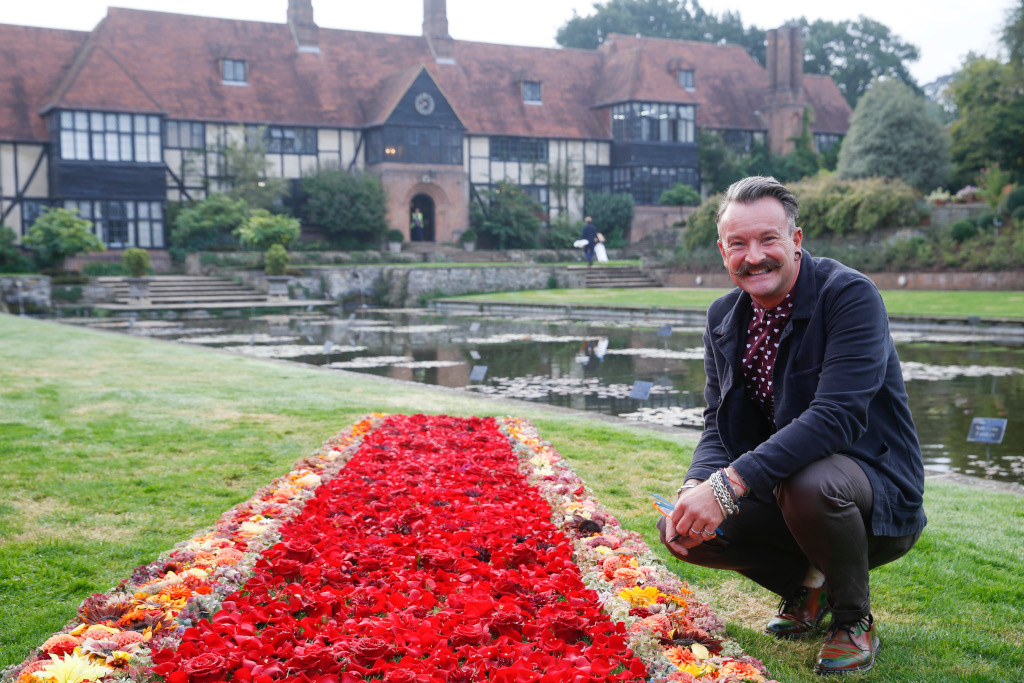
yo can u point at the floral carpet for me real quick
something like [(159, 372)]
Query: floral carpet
[(406, 549)]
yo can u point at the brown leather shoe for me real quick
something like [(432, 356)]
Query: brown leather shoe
[(800, 614), (849, 648)]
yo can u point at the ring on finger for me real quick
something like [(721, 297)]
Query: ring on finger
[(709, 534)]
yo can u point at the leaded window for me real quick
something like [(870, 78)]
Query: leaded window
[(647, 183), (291, 140), (106, 136), (414, 145), (654, 122), (233, 70), (532, 92), (122, 224), (184, 135), (519, 149), (685, 77)]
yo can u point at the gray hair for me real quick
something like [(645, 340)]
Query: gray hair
[(749, 190)]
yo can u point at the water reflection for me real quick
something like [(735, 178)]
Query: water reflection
[(592, 366)]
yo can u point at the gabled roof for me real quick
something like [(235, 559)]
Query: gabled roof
[(32, 62), (146, 61), (95, 65)]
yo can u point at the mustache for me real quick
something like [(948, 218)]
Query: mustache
[(768, 262)]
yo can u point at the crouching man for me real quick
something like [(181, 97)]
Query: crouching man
[(808, 473)]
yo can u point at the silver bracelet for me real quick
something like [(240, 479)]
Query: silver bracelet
[(723, 495), (679, 491)]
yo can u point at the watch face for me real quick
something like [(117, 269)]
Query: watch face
[(424, 104)]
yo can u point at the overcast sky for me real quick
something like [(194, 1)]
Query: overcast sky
[(943, 30)]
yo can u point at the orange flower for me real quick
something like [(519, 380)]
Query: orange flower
[(177, 592), (741, 670), (60, 644), (26, 673), (680, 656), (228, 557)]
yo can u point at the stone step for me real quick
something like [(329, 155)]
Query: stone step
[(179, 289)]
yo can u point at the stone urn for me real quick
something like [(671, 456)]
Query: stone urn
[(138, 291), (469, 245), (277, 287), (395, 247)]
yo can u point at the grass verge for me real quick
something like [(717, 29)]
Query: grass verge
[(112, 449), (898, 302)]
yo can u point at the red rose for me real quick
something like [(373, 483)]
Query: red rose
[(400, 676), (299, 549), (206, 667), (287, 568), (370, 649), (470, 634)]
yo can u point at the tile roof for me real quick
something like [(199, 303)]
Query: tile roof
[(171, 63), (32, 62)]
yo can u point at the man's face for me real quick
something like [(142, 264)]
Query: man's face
[(758, 250)]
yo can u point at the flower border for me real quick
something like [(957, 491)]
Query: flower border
[(189, 582)]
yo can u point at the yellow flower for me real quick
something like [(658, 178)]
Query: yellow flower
[(71, 668), (640, 597), (699, 651)]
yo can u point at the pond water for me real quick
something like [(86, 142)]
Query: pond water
[(593, 366)]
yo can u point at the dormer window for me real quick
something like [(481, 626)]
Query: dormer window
[(233, 71), (531, 92), (685, 77)]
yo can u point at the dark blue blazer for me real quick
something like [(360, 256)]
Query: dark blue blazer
[(838, 389)]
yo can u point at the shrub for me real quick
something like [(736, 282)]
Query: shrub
[(99, 269), (263, 230), (350, 207), (507, 218), (59, 234), (276, 260), (985, 220), (209, 225), (701, 228), (680, 195), (468, 235), (136, 262), (1014, 200), (963, 230), (828, 204), (563, 233), (612, 214), (11, 258), (394, 235)]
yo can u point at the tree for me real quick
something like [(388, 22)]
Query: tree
[(989, 104), (11, 258), (506, 217), (1013, 33), (350, 207), (856, 53), (893, 136), (613, 216), (680, 195), (209, 224), (677, 19), (59, 234), (264, 229), (246, 167)]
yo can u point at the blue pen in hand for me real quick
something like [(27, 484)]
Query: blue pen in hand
[(666, 508)]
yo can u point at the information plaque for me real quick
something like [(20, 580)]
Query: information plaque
[(641, 390), (987, 430), (478, 373)]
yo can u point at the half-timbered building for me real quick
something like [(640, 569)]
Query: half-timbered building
[(117, 121)]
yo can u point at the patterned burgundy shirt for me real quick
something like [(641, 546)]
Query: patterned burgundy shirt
[(763, 335)]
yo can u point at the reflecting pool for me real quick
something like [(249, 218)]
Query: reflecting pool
[(951, 379)]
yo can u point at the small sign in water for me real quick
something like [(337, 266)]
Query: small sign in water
[(328, 345), (665, 331), (474, 328), (252, 340), (987, 430), (351, 316), (474, 354), (601, 349), (478, 373), (641, 390)]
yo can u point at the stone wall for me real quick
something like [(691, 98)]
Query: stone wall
[(946, 214), (25, 294)]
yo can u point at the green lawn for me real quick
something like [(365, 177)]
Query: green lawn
[(112, 449), (898, 302)]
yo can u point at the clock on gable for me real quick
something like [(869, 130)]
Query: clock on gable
[(424, 104)]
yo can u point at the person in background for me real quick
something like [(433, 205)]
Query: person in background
[(590, 235), (808, 473), (417, 225)]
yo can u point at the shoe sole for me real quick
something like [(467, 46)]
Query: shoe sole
[(796, 635), (859, 669)]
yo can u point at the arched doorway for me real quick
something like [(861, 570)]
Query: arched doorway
[(425, 205)]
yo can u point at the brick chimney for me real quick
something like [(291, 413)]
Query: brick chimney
[(304, 29), (435, 30), (785, 100)]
